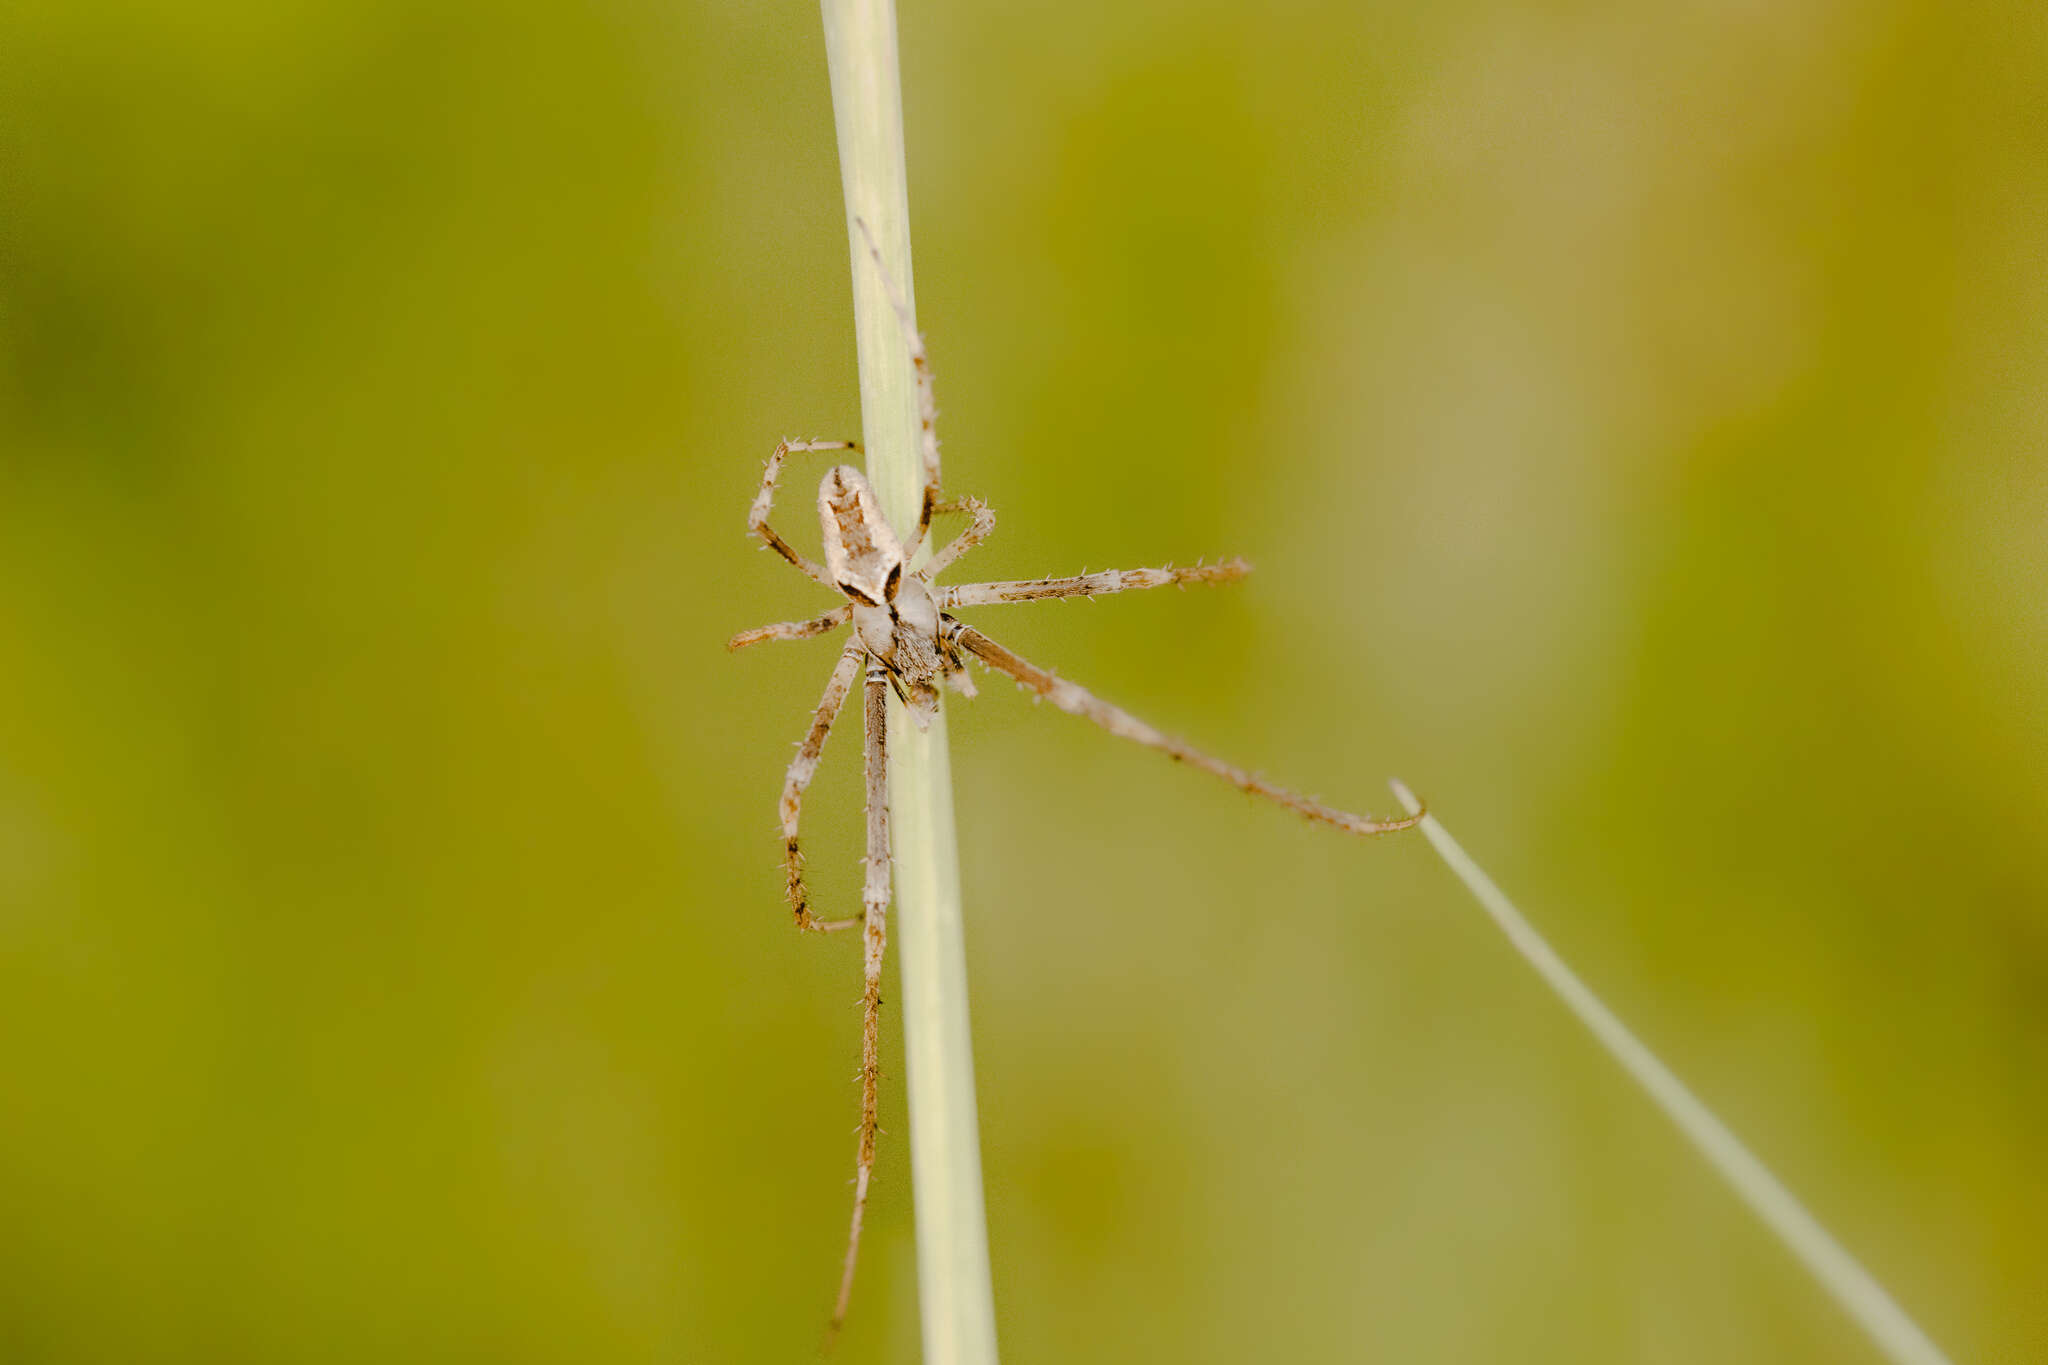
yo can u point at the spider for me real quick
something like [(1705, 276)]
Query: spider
[(906, 640)]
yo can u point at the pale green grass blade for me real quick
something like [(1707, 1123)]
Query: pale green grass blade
[(1861, 1296), (955, 1301)]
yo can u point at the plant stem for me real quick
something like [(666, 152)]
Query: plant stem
[(1851, 1286), (955, 1300)]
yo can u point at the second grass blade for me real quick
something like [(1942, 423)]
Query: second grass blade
[(1839, 1273)]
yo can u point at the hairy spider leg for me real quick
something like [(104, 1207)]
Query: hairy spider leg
[(801, 769), (875, 937), (927, 405), (977, 531), (1088, 585), (757, 515), (1079, 701), (793, 630)]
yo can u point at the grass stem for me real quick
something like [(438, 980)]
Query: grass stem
[(956, 1303)]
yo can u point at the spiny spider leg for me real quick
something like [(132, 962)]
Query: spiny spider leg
[(1078, 701), (927, 405), (875, 936), (978, 530), (801, 769), (792, 630), (757, 515), (1088, 585)]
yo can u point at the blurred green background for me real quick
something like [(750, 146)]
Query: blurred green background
[(1636, 419)]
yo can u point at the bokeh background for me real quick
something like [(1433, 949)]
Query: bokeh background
[(1636, 417)]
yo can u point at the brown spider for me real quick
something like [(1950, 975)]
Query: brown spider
[(907, 638)]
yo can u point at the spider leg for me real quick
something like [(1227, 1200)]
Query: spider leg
[(977, 531), (1088, 585), (927, 406), (757, 515), (792, 630), (801, 769), (1079, 701), (875, 925)]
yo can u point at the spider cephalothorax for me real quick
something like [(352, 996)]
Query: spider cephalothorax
[(906, 639)]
